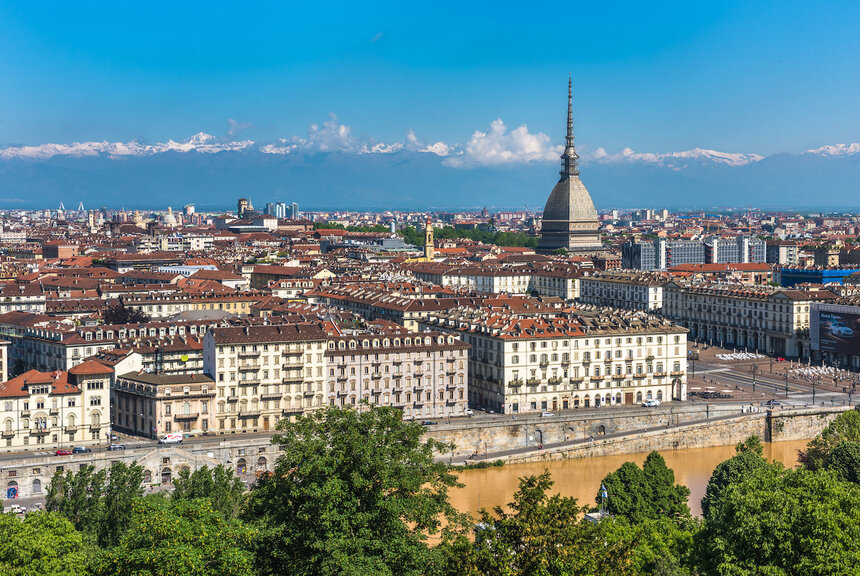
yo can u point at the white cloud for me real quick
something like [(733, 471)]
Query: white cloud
[(672, 159), (413, 144), (498, 146), (235, 128)]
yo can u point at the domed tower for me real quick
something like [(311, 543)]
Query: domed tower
[(569, 217), (429, 248)]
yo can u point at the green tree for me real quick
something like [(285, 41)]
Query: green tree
[(353, 493), (121, 314), (223, 488), (646, 493), (844, 460), (97, 503), (41, 543), (542, 535), (779, 522), (846, 427), (187, 537), (747, 460)]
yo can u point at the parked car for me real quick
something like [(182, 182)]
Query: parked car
[(546, 414), (17, 509), (841, 330), (113, 447), (469, 413), (171, 438), (428, 423), (651, 403), (80, 450), (780, 359), (114, 437), (774, 403), (63, 452)]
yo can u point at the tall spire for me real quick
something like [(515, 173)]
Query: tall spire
[(569, 160)]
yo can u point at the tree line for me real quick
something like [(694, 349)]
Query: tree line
[(361, 493)]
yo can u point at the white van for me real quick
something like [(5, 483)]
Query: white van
[(171, 438)]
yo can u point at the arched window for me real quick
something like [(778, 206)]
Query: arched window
[(70, 421), (96, 419), (8, 425), (186, 408), (147, 477), (639, 396), (241, 466), (261, 463), (166, 476), (660, 395), (649, 396), (37, 486)]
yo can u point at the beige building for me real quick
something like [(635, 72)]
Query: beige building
[(623, 289), (423, 374), (545, 364), (264, 373), (152, 405), (56, 409), (757, 318)]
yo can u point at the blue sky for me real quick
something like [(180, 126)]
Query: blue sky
[(762, 77)]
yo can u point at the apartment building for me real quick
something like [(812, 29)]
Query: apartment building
[(56, 409), (757, 318), (425, 375), (520, 365), (152, 405), (22, 298), (545, 279), (623, 289), (160, 306), (264, 373)]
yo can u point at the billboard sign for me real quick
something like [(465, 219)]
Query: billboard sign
[(839, 332)]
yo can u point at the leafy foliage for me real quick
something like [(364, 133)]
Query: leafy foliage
[(121, 314), (353, 493), (783, 522), (42, 543), (187, 537), (542, 536), (415, 237), (844, 461), (99, 503), (748, 460), (844, 428), (224, 489), (647, 493), (336, 226)]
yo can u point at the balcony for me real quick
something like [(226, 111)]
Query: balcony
[(516, 382), (565, 361), (249, 354), (247, 367), (639, 375), (554, 380), (659, 374), (676, 373), (189, 416), (66, 429), (308, 393), (7, 433), (271, 396), (292, 353), (232, 398), (544, 362), (250, 382), (619, 376), (249, 414), (533, 381), (54, 411)]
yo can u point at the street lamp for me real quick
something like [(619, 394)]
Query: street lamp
[(753, 371), (786, 384)]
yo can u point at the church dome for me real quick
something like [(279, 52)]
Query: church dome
[(170, 218), (570, 200)]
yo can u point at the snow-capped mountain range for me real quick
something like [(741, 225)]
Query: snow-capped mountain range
[(468, 155), (496, 167)]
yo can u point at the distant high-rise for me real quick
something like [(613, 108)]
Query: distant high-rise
[(294, 211), (276, 209), (569, 218)]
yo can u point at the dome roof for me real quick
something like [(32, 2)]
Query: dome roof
[(570, 201)]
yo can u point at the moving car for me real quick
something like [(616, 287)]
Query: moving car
[(171, 438), (546, 414), (63, 452), (774, 403), (651, 403), (113, 447), (428, 423), (80, 450)]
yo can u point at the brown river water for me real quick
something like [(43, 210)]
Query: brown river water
[(581, 478)]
